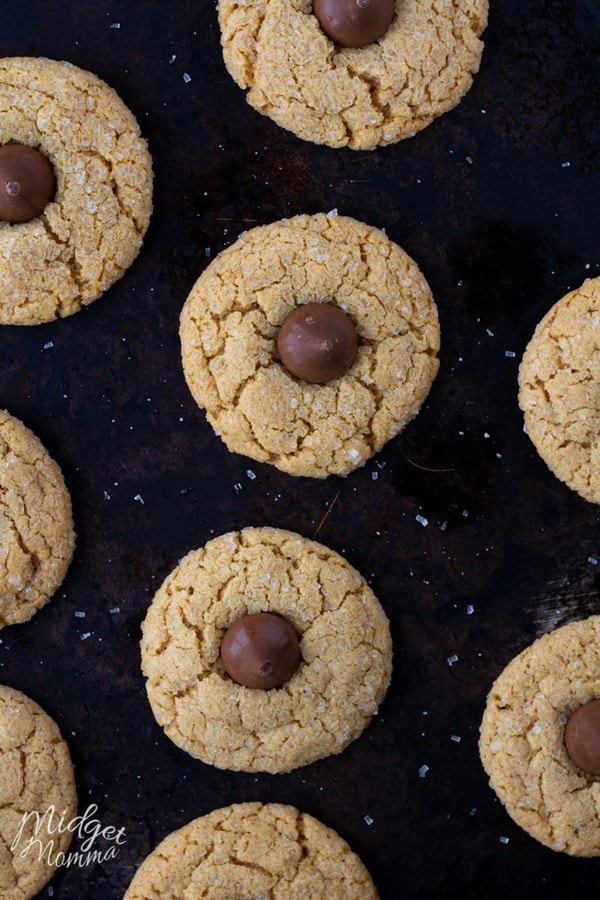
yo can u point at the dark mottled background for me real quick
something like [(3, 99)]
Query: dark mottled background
[(498, 202)]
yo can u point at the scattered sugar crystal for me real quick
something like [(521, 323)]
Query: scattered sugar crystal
[(172, 59), (452, 659), (503, 839), (116, 25), (114, 610), (138, 498), (510, 353), (80, 614), (592, 561), (250, 474), (186, 78), (423, 771), (455, 738), (48, 345), (565, 165), (85, 635), (470, 610), (422, 520), (368, 820)]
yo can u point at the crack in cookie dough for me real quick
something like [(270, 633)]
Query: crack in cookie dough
[(344, 640), (522, 739), (254, 851), (92, 231), (36, 773), (229, 328), (559, 381), (36, 528), (361, 98)]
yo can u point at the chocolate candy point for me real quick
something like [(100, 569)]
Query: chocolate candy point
[(354, 23), (582, 737), (317, 342), (260, 651), (27, 183)]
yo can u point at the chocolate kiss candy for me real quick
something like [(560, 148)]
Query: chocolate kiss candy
[(582, 737), (27, 183), (260, 651), (317, 342), (354, 23)]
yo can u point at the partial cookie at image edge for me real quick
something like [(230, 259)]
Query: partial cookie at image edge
[(253, 850), (36, 524), (92, 231), (559, 389), (522, 745), (360, 98), (45, 783)]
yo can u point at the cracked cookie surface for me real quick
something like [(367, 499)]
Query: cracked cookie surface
[(37, 774), (345, 647), (36, 529), (253, 851), (229, 328), (559, 381), (522, 738), (361, 98), (92, 231)]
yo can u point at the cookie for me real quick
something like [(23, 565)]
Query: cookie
[(361, 98), (37, 779), (253, 851), (229, 328), (522, 742), (559, 381), (36, 529), (344, 641), (92, 230)]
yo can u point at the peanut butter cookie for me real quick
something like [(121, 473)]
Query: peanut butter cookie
[(522, 741), (229, 329), (36, 529), (37, 790), (91, 231), (345, 96), (345, 647), (253, 851), (559, 380)]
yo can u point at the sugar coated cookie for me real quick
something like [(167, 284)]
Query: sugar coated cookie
[(345, 647), (36, 783), (253, 851), (559, 393), (229, 335), (522, 741), (361, 97), (92, 229), (36, 529)]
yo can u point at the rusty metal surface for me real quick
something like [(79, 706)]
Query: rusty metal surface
[(498, 202)]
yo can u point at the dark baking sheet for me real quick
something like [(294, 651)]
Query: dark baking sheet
[(499, 202)]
